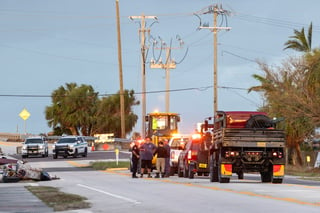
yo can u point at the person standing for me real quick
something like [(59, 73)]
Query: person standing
[(135, 158), (161, 153), (167, 160), (146, 151)]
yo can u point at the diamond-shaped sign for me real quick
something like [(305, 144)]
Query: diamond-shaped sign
[(24, 114)]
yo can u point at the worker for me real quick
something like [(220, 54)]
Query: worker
[(161, 153), (135, 158), (146, 152), (167, 160)]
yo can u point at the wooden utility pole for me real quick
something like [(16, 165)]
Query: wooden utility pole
[(170, 64), (122, 106), (142, 32), (216, 10), (215, 62)]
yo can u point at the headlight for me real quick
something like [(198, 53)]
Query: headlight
[(24, 147), (41, 146)]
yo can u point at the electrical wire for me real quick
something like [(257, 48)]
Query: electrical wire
[(147, 92)]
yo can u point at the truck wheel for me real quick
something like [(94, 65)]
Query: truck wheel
[(191, 172), (85, 153), (240, 175), (213, 175), (172, 171), (180, 173), (266, 177), (185, 171), (75, 154)]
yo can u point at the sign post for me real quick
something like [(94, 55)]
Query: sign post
[(24, 114), (117, 155)]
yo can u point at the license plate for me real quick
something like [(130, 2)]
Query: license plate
[(202, 165)]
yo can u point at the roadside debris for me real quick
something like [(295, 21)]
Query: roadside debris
[(15, 170)]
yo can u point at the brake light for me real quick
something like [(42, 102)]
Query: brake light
[(231, 154), (277, 154), (196, 136), (189, 155)]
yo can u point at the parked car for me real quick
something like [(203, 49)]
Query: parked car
[(194, 158), (70, 146), (35, 146), (177, 144)]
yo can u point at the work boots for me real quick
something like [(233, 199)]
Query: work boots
[(157, 175)]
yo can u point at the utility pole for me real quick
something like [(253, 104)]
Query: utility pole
[(169, 64), (142, 32), (216, 10), (122, 114)]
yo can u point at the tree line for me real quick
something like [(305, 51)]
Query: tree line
[(78, 110), (292, 90)]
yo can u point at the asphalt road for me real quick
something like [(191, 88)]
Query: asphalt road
[(116, 191)]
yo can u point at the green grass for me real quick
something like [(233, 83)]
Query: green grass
[(103, 165), (58, 200), (304, 172)]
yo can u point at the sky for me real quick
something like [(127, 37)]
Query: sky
[(46, 44)]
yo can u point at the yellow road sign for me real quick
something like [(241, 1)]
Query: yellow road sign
[(24, 114)]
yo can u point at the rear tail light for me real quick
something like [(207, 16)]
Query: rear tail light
[(189, 155), (192, 155), (231, 154), (277, 154)]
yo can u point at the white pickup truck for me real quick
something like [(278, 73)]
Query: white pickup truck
[(70, 146), (176, 144)]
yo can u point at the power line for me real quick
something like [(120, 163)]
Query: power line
[(147, 92)]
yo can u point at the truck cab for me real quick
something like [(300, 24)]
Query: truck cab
[(161, 125)]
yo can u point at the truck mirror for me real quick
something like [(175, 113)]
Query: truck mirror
[(206, 125)]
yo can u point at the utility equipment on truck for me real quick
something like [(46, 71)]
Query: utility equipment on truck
[(245, 141), (161, 125)]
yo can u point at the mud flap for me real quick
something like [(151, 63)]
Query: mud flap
[(278, 171), (226, 170)]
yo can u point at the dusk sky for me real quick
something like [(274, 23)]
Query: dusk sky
[(46, 44)]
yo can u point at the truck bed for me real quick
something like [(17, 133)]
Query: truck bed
[(231, 137)]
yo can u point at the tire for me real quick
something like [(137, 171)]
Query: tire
[(185, 171), (265, 177), (190, 171), (172, 171), (85, 153), (24, 156), (200, 173), (240, 175), (213, 173), (75, 154), (180, 173)]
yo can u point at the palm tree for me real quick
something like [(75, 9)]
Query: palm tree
[(299, 42)]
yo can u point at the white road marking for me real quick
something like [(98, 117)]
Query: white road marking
[(110, 194)]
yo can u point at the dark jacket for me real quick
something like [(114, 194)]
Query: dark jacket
[(161, 152)]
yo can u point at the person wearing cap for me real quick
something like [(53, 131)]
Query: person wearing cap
[(146, 152)]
